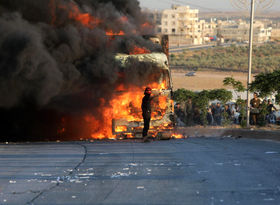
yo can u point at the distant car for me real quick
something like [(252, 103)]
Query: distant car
[(190, 74)]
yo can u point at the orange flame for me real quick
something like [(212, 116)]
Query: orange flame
[(85, 19), (137, 50), (121, 129), (178, 136), (125, 105), (111, 33), (147, 25)]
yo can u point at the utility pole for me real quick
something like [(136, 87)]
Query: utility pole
[(251, 37), (244, 4)]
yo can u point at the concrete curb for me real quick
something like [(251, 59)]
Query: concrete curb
[(229, 132)]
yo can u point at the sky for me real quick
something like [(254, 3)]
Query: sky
[(203, 5)]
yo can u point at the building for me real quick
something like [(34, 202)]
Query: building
[(239, 31), (207, 30), (181, 23)]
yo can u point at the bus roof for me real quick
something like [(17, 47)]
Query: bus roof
[(160, 59)]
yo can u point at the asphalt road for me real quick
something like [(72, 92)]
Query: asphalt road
[(190, 171)]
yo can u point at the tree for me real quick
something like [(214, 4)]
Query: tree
[(237, 85), (222, 95), (182, 95), (267, 84)]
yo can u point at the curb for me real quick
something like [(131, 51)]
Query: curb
[(229, 132)]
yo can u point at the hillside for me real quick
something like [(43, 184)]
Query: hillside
[(266, 58)]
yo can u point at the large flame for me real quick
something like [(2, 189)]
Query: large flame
[(125, 105)]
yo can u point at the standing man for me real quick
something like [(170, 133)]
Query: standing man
[(270, 107), (180, 115), (189, 112), (218, 114), (255, 108), (146, 112)]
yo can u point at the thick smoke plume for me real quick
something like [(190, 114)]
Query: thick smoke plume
[(57, 57)]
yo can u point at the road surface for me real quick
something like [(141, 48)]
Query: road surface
[(195, 171)]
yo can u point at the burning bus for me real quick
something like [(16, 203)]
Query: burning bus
[(123, 117), (130, 124)]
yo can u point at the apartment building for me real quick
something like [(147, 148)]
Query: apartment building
[(182, 25), (239, 31), (181, 22)]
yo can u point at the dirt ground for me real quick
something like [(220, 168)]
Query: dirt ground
[(204, 79)]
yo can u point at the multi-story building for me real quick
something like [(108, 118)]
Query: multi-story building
[(182, 25), (239, 31), (181, 21), (207, 29)]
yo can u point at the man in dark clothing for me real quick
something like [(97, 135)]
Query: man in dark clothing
[(146, 112), (255, 108), (271, 107), (271, 118), (209, 116), (218, 114), (189, 112), (228, 112), (180, 115)]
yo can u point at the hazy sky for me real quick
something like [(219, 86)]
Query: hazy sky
[(203, 5)]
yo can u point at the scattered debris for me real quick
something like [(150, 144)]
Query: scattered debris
[(269, 199), (46, 175), (119, 174), (133, 164), (271, 152), (199, 172), (86, 174)]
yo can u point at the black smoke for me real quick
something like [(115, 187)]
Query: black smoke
[(52, 65)]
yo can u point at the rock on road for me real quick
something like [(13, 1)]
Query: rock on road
[(195, 171)]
